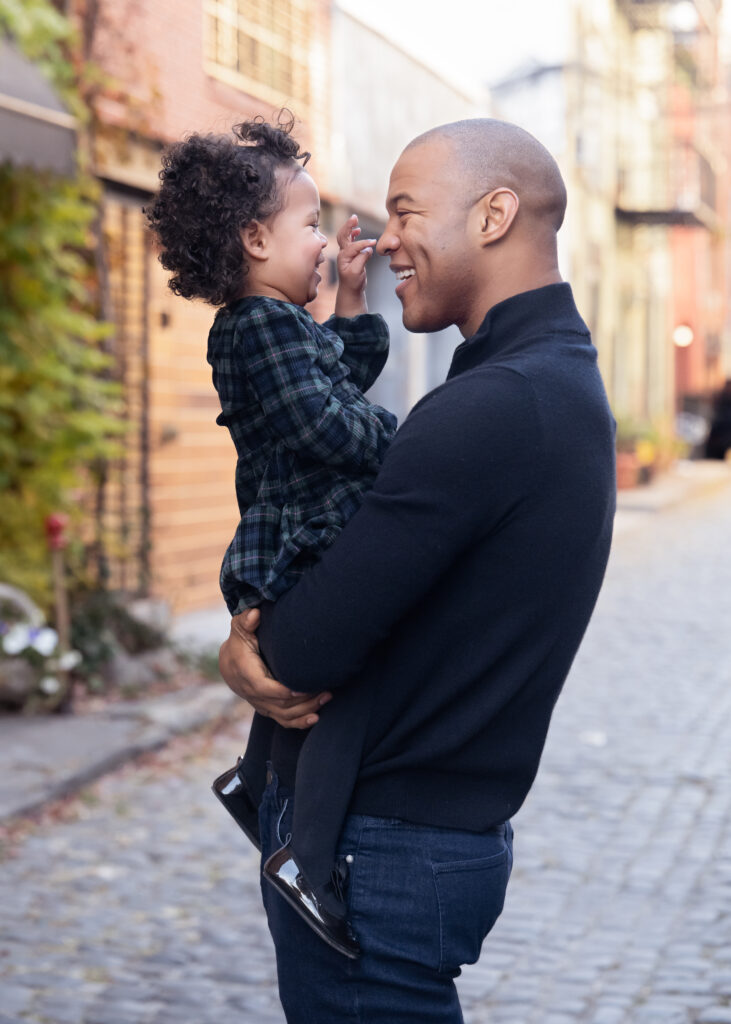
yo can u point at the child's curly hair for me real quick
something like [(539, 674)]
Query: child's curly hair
[(212, 186)]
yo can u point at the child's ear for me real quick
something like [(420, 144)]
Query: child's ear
[(254, 237)]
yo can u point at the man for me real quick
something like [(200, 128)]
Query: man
[(454, 600)]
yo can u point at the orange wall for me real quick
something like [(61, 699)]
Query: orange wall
[(699, 296), (192, 460)]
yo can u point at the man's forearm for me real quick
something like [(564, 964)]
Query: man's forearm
[(431, 500), (246, 674)]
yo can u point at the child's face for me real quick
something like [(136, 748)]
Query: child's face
[(294, 244)]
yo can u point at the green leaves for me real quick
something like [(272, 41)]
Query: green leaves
[(45, 36), (59, 402)]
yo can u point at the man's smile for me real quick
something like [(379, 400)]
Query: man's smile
[(403, 274)]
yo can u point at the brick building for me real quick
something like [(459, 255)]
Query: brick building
[(699, 112), (168, 508)]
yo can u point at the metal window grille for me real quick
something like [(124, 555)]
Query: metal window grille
[(260, 46)]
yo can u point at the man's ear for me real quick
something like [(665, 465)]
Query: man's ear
[(255, 240), (495, 213)]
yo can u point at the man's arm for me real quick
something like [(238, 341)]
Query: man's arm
[(247, 675), (459, 464)]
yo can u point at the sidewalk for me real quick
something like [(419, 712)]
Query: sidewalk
[(685, 480), (47, 757)]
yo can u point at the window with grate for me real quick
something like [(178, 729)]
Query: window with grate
[(260, 46)]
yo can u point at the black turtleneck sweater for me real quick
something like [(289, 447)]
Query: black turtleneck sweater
[(447, 614)]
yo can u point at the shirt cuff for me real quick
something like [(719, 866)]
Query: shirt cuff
[(370, 327)]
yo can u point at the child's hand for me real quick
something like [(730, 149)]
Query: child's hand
[(352, 258)]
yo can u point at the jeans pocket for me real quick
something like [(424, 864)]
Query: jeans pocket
[(470, 895)]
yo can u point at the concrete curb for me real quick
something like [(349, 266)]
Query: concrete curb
[(48, 757)]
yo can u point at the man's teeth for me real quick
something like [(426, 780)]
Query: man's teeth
[(403, 274)]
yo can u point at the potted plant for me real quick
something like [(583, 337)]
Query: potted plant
[(628, 463)]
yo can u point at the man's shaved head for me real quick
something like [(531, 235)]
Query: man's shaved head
[(473, 210), (495, 154)]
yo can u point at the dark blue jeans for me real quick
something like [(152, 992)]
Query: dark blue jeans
[(421, 900)]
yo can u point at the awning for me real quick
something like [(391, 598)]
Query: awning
[(36, 130)]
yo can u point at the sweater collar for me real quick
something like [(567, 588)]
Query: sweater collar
[(513, 322)]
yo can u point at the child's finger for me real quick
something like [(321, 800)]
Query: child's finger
[(361, 258), (344, 234), (354, 259), (357, 245)]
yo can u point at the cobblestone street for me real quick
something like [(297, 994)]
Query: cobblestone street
[(139, 903)]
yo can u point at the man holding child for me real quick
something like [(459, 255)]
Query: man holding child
[(452, 603)]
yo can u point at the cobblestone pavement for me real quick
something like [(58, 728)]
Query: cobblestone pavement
[(138, 902)]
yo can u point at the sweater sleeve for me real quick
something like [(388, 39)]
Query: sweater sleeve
[(279, 356), (366, 342), (462, 461)]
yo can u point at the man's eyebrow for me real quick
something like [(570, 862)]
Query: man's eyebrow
[(399, 197)]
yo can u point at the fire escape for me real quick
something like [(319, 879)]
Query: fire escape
[(675, 184)]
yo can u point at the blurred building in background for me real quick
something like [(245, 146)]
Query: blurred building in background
[(636, 113), (177, 66), (374, 115), (635, 108), (699, 113)]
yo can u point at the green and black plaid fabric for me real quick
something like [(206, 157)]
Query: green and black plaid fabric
[(309, 443)]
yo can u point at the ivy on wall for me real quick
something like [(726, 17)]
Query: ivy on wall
[(58, 400)]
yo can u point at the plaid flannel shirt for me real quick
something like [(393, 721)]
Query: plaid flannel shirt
[(309, 443)]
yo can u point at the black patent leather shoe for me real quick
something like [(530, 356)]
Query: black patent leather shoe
[(231, 789), (323, 909)]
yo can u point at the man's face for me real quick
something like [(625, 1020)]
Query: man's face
[(426, 239)]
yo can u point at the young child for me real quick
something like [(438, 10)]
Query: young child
[(238, 223), (237, 220)]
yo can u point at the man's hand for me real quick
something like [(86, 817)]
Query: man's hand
[(352, 258), (246, 674)]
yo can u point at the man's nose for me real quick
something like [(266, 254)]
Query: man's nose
[(387, 243)]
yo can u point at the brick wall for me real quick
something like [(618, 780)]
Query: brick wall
[(154, 50), (171, 506)]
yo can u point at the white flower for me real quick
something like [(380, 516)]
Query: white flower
[(49, 685), (44, 640), (16, 639), (69, 660)]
